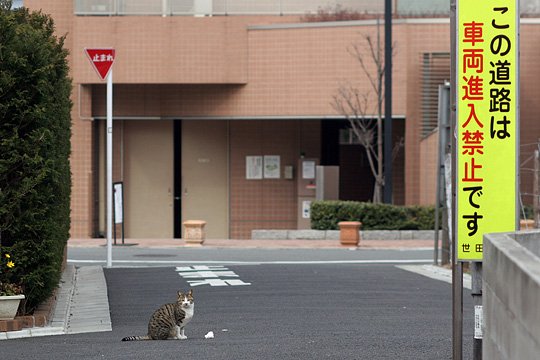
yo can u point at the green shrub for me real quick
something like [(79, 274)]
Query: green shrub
[(325, 215), (35, 131)]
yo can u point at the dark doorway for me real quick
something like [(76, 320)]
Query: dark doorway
[(356, 180), (177, 217)]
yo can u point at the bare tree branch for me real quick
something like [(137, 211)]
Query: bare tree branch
[(355, 107)]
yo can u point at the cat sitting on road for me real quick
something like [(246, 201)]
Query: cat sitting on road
[(169, 320)]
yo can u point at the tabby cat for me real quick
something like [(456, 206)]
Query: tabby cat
[(169, 320)]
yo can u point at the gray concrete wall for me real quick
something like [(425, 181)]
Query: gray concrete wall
[(511, 296)]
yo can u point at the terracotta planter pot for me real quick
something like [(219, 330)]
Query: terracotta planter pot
[(9, 306), (194, 233), (349, 233), (526, 224)]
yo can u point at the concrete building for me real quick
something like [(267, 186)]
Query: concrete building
[(206, 91)]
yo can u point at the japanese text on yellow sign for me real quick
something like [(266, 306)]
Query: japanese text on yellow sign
[(486, 122)]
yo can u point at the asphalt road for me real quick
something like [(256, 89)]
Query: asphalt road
[(135, 256), (270, 311)]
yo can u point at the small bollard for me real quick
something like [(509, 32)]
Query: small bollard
[(349, 232), (194, 232)]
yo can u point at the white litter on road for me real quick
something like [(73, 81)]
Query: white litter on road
[(210, 335)]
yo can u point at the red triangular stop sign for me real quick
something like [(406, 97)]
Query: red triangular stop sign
[(102, 59)]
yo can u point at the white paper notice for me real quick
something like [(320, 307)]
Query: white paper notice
[(308, 169), (478, 320), (254, 167), (271, 167)]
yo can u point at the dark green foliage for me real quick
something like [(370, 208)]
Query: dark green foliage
[(35, 131), (325, 215)]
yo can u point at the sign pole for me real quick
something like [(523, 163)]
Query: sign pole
[(476, 273), (102, 60), (388, 144), (457, 269), (109, 167), (457, 310)]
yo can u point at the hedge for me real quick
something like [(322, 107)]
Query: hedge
[(325, 215), (35, 132)]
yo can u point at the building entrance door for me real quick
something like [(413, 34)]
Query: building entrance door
[(204, 175), (149, 179)]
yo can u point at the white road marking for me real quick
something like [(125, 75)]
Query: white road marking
[(209, 275), (437, 273)]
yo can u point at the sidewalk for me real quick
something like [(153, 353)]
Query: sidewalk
[(82, 305), (262, 244)]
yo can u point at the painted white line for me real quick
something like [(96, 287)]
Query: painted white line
[(279, 262)]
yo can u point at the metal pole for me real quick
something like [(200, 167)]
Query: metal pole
[(457, 309), (445, 242), (437, 206), (457, 267), (443, 125), (114, 215), (476, 289), (109, 167), (536, 184), (445, 148), (388, 184)]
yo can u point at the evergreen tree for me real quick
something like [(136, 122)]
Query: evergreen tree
[(35, 131)]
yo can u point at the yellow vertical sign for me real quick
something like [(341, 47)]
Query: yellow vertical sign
[(487, 121)]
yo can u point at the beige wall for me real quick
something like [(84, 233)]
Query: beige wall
[(418, 39), (177, 49), (230, 66), (148, 183), (205, 157)]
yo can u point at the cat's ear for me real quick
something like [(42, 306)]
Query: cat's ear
[(190, 292), (179, 293)]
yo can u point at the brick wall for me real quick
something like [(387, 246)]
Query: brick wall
[(267, 203)]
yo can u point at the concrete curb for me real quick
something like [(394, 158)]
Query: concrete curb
[(437, 273), (82, 305), (334, 234), (89, 306)]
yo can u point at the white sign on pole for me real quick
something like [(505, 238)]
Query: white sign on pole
[(118, 203)]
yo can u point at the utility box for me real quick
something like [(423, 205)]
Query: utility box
[(306, 188), (314, 182), (327, 180)]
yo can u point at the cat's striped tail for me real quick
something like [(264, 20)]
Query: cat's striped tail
[(135, 338)]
